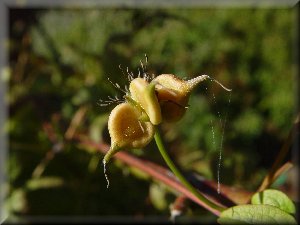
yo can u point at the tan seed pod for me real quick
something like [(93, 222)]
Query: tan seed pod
[(144, 94), (126, 130), (173, 94)]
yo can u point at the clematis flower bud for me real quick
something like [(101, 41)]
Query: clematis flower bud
[(127, 130)]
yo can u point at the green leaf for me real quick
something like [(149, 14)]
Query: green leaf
[(17, 202), (157, 196), (255, 214), (274, 198), (97, 126), (44, 182)]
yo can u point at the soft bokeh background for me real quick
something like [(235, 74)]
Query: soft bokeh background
[(60, 60)]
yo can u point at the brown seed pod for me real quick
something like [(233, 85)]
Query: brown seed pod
[(126, 130), (173, 94)]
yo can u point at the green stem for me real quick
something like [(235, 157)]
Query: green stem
[(178, 174)]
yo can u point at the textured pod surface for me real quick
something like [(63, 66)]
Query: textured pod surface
[(173, 82), (179, 89), (126, 130), (172, 103), (172, 88), (173, 94), (144, 93)]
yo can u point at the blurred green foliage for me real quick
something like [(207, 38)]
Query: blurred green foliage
[(60, 60)]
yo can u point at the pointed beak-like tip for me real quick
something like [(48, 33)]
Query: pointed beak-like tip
[(192, 83), (109, 154)]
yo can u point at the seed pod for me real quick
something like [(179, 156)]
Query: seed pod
[(126, 130), (144, 94), (173, 94)]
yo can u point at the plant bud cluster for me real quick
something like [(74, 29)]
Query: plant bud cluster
[(164, 99)]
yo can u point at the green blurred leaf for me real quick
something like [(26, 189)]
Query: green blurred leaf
[(81, 97), (97, 126), (249, 123), (17, 201), (157, 196), (274, 198), (44, 182), (255, 214), (139, 174)]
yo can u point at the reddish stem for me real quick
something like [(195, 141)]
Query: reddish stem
[(161, 174)]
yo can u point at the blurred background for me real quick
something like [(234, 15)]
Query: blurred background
[(59, 63)]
